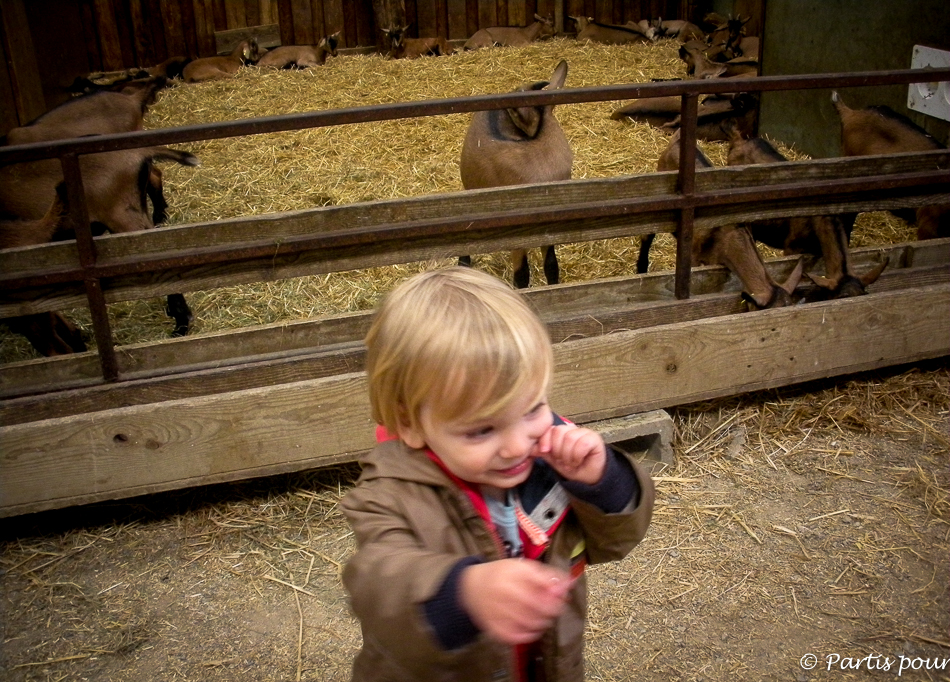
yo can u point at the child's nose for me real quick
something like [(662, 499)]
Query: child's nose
[(518, 444)]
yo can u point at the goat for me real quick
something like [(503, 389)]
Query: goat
[(727, 245), (515, 146), (712, 113), (510, 36), (823, 235), (698, 65), (116, 185), (612, 34), (222, 66), (725, 42), (49, 333), (646, 27), (401, 47), (682, 30), (99, 113), (881, 130), (301, 56)]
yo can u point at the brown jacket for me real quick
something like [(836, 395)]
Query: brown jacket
[(412, 525)]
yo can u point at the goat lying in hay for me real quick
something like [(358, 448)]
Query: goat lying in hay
[(511, 36), (518, 146), (401, 47), (301, 56), (222, 66), (728, 245)]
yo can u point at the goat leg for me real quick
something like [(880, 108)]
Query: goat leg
[(177, 308), (552, 272)]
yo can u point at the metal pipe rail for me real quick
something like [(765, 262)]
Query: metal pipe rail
[(685, 202)]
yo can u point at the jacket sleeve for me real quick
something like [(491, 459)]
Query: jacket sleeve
[(611, 536), (393, 575)]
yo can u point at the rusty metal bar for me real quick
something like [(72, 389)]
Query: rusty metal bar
[(686, 186), (79, 216), (384, 112)]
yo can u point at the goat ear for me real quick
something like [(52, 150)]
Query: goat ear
[(559, 76), (794, 278), (823, 282), (871, 275), (756, 302), (526, 119)]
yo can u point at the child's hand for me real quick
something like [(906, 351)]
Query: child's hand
[(514, 600), (578, 454)]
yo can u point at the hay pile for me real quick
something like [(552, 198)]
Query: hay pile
[(362, 162)]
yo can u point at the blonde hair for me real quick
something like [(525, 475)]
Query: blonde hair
[(460, 341)]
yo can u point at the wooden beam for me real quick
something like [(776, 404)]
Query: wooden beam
[(149, 448)]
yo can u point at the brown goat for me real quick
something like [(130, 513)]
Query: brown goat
[(612, 34), (301, 56), (512, 36), (728, 245), (98, 113), (712, 114), (881, 130), (222, 66), (401, 47), (49, 333), (823, 235), (517, 146), (698, 65), (680, 29)]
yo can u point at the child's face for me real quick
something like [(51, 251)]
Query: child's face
[(497, 451)]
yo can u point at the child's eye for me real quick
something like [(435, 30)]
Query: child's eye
[(480, 432), (536, 410)]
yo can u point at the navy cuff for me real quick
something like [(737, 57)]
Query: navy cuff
[(616, 488), (444, 612)]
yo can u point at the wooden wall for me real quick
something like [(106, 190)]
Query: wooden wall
[(46, 44)]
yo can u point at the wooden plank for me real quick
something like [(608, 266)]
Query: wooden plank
[(457, 20), (426, 24), (487, 13), (267, 36), (336, 18), (24, 72), (148, 448), (173, 25), (234, 14), (112, 59), (303, 23), (518, 13), (204, 27)]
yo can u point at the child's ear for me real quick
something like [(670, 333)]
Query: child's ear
[(412, 437), (409, 434)]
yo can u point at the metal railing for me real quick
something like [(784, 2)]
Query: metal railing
[(686, 200)]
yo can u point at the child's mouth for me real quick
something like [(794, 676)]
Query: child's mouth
[(515, 470)]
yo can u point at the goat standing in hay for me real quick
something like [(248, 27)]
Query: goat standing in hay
[(49, 333), (401, 47), (822, 235), (301, 56), (223, 66), (881, 130), (117, 184), (518, 146), (728, 245), (512, 36)]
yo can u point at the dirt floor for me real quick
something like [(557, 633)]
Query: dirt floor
[(813, 520)]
